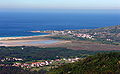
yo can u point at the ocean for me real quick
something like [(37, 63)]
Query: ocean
[(18, 23)]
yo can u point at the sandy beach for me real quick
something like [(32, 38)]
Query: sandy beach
[(26, 37), (39, 41)]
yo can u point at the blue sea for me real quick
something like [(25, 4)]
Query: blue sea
[(19, 23)]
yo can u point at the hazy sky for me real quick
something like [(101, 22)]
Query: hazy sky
[(59, 4)]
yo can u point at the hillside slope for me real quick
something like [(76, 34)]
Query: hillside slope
[(111, 33), (99, 63), (105, 35), (110, 29)]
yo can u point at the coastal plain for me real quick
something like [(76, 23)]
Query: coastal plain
[(44, 42)]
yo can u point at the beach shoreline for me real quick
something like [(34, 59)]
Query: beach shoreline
[(39, 41), (45, 41), (22, 37)]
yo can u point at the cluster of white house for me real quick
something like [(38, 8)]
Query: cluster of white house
[(69, 59), (74, 34), (72, 59), (34, 64), (45, 63), (11, 59), (84, 36)]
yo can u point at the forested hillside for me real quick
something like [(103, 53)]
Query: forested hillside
[(36, 53), (99, 63)]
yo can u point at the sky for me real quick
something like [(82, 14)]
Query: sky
[(59, 4)]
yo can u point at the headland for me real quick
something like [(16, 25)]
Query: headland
[(106, 38)]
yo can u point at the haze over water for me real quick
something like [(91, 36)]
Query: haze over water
[(19, 23)]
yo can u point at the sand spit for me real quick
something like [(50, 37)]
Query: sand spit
[(26, 37), (39, 41)]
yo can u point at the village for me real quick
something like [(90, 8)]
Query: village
[(17, 62), (73, 34), (82, 34)]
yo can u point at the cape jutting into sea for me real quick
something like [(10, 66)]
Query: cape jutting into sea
[(14, 24)]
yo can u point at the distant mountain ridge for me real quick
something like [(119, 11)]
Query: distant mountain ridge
[(111, 33), (110, 29)]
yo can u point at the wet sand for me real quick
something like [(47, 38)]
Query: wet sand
[(39, 41)]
